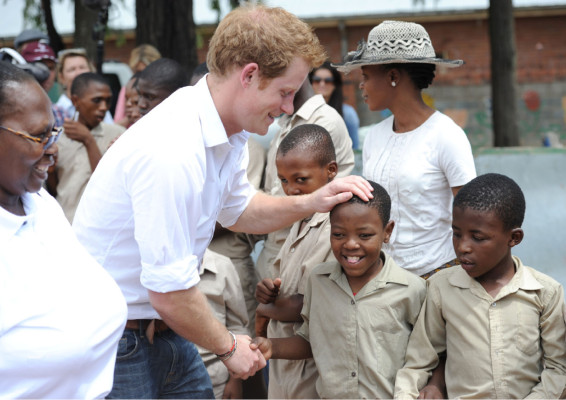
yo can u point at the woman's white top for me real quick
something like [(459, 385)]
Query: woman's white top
[(61, 314), (418, 170)]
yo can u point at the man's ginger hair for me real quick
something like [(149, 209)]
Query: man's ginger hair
[(270, 37)]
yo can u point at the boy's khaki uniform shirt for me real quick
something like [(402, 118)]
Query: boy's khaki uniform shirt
[(301, 252), (73, 167), (359, 342), (508, 347), (220, 284)]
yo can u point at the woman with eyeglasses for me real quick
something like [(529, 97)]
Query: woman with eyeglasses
[(61, 314), (327, 81)]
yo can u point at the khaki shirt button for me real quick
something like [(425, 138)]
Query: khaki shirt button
[(353, 302), (494, 304), (354, 374), (292, 249)]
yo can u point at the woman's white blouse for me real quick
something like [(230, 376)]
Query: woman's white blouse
[(61, 314)]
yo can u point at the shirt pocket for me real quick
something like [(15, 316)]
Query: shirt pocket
[(390, 351)]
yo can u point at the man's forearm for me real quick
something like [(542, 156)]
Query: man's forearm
[(187, 312), (267, 213)]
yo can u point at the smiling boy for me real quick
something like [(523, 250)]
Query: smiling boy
[(500, 322), (359, 309)]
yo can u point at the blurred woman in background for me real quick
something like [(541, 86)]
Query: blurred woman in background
[(327, 81)]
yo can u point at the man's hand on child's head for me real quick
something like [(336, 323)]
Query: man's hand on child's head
[(267, 290), (339, 191), (263, 345)]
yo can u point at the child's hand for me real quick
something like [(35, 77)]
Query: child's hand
[(261, 322), (233, 389), (267, 290), (431, 392), (263, 345)]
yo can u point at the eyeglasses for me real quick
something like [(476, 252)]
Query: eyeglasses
[(318, 79), (46, 138)]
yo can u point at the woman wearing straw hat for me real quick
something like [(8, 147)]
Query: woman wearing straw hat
[(418, 154)]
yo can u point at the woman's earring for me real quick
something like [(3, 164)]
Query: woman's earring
[(393, 83)]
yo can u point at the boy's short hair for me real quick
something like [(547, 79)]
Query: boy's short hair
[(166, 73), (310, 137), (83, 81), (270, 37), (380, 201), (497, 193)]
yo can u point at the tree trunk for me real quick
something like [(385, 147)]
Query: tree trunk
[(169, 26), (55, 40), (503, 73), (85, 20)]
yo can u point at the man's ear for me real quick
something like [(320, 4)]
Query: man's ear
[(517, 235), (248, 74)]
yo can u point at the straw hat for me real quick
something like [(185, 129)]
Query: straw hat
[(394, 42)]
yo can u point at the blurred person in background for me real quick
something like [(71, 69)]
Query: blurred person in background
[(327, 81)]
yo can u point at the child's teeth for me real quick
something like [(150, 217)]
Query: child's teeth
[(353, 259)]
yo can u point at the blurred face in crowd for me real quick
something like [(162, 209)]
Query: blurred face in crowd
[(132, 110), (150, 95), (72, 67), (323, 83), (93, 104)]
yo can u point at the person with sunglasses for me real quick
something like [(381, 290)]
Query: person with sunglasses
[(327, 81), (58, 334)]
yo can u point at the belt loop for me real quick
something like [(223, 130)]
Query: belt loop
[(141, 328)]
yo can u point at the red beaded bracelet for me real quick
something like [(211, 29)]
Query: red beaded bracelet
[(229, 353)]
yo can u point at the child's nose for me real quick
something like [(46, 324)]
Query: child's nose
[(351, 243), (463, 246)]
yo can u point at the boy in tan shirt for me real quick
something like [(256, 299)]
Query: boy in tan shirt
[(306, 161), (359, 309), (500, 322)]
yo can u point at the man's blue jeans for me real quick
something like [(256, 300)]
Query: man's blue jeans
[(169, 368)]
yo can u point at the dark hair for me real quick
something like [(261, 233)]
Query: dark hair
[(199, 71), (494, 193), (311, 137), (166, 73), (135, 77), (380, 201), (422, 75), (337, 97), (10, 73), (82, 82)]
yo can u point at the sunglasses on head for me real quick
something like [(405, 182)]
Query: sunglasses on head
[(318, 79)]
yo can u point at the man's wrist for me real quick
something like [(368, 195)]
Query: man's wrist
[(225, 356)]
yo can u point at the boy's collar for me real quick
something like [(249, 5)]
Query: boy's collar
[(523, 279)]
